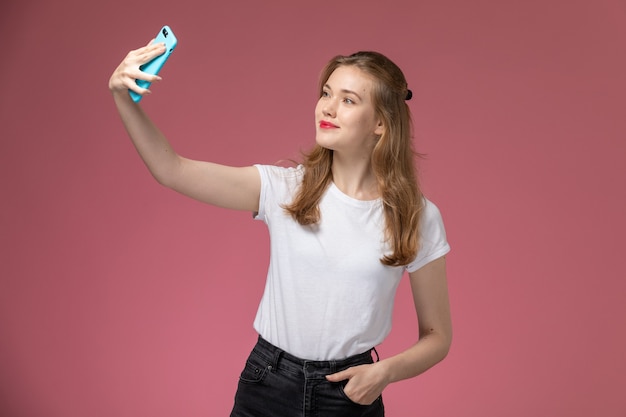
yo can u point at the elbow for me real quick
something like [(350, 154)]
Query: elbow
[(443, 344), (447, 338), (163, 179), (441, 341), (167, 175), (445, 347), (446, 343)]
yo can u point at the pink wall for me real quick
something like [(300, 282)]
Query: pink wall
[(119, 298)]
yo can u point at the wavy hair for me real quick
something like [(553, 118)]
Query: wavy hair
[(392, 159)]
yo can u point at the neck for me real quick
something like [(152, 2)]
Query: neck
[(354, 177)]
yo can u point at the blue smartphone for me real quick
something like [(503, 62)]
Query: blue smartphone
[(153, 67)]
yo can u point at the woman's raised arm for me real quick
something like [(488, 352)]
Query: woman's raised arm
[(220, 185)]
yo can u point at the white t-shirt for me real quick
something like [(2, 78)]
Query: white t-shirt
[(327, 294)]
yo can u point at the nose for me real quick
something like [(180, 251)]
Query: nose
[(329, 108)]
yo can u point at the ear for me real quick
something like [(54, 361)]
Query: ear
[(380, 128)]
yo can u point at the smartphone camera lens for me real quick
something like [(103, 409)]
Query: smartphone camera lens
[(165, 33)]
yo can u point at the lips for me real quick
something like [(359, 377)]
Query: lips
[(327, 125)]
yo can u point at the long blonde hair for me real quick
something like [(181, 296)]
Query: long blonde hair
[(393, 159)]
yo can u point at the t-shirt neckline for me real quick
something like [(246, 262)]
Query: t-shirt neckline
[(351, 200)]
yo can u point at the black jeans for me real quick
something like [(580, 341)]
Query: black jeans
[(277, 384)]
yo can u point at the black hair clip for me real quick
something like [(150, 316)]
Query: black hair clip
[(409, 94)]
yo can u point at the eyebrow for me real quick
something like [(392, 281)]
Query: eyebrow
[(344, 91)]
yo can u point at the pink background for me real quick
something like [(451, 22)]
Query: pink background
[(120, 298)]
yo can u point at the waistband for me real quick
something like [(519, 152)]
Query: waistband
[(278, 358)]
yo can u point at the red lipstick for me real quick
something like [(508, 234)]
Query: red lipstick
[(327, 125)]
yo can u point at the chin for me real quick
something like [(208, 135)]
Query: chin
[(323, 143)]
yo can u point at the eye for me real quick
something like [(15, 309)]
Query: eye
[(325, 94), (348, 100)]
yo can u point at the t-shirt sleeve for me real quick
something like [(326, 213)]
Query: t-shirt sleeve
[(433, 241), (278, 186), (263, 172)]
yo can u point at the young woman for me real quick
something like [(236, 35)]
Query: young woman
[(344, 226)]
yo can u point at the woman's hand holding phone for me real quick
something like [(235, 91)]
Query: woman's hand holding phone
[(140, 68), (124, 76)]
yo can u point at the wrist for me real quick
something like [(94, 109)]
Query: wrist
[(385, 371)]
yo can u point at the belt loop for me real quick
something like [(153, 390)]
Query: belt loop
[(376, 352), (277, 354)]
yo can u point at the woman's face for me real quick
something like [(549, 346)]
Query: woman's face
[(345, 117)]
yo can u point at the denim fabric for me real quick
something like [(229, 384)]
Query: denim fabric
[(277, 384)]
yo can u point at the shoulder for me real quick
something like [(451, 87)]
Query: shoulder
[(278, 173), (431, 222), (279, 183), (433, 239), (430, 211)]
